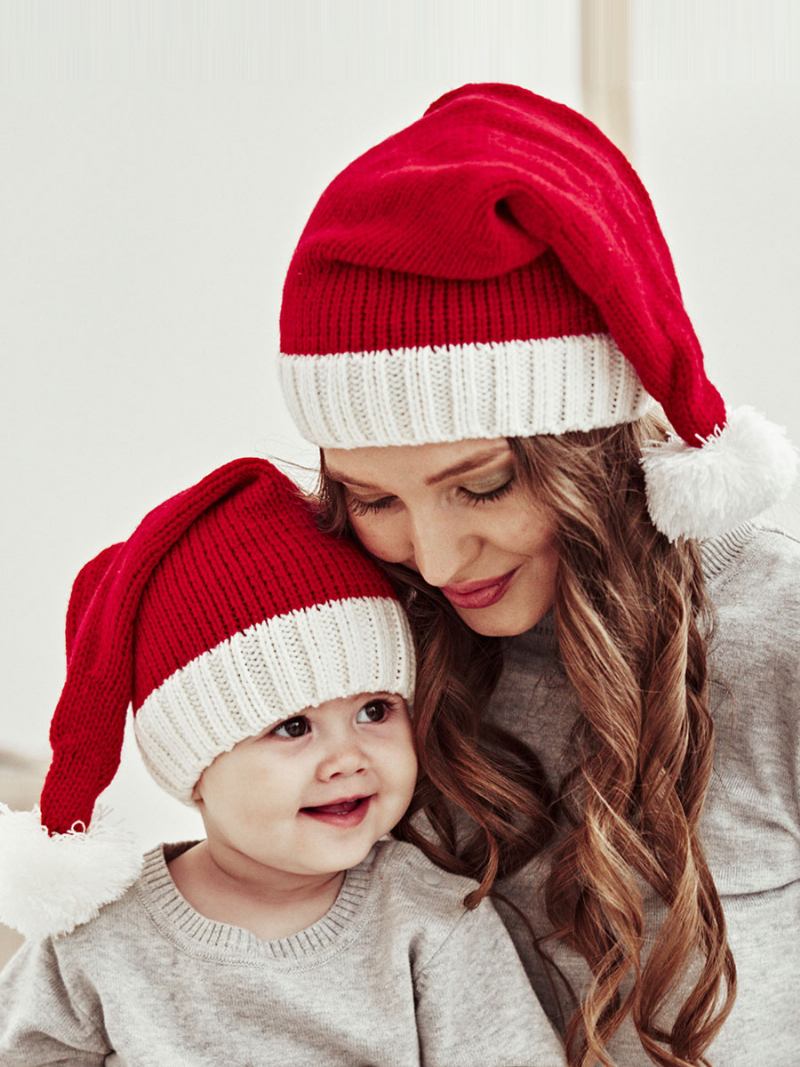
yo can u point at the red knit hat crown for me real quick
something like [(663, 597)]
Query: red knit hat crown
[(497, 269), (226, 611)]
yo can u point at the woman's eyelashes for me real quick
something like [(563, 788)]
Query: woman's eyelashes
[(490, 494), (471, 496), (374, 711), (364, 507)]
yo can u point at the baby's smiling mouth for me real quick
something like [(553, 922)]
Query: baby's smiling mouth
[(338, 807), (344, 813)]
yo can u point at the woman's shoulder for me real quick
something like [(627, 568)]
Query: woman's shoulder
[(755, 647), (754, 652), (755, 582), (750, 819), (754, 670)]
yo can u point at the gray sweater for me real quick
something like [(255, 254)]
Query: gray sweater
[(751, 822), (397, 973)]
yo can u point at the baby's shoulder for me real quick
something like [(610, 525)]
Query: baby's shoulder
[(421, 909), (77, 961), (414, 886), (402, 855), (116, 925)]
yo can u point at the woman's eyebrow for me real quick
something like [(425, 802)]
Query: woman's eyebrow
[(466, 465), (449, 472), (338, 476)]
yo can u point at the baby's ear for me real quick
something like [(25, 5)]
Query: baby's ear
[(197, 792)]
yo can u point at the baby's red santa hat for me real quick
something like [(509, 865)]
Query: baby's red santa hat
[(226, 611), (496, 269)]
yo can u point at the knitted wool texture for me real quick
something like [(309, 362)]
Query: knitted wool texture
[(503, 262), (497, 270), (226, 610)]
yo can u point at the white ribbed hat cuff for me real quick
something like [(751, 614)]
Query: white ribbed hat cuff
[(269, 672), (413, 396)]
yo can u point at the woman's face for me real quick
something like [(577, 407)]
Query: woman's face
[(456, 514)]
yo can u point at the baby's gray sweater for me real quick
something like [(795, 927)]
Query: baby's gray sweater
[(751, 823), (397, 974)]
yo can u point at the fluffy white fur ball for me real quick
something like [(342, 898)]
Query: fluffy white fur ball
[(738, 473), (51, 884)]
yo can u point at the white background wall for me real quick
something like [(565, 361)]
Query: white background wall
[(716, 98), (159, 161)]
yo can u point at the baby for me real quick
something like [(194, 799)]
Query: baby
[(270, 669)]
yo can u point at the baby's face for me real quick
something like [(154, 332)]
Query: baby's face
[(314, 792)]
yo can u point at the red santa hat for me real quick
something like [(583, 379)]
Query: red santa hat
[(226, 611), (497, 269)]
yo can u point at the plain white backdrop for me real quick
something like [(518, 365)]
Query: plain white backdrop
[(159, 161)]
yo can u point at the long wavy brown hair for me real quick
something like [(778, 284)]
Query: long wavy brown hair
[(633, 623)]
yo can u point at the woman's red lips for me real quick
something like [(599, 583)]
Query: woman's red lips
[(480, 594)]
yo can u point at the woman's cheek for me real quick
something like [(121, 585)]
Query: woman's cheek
[(377, 538), (525, 531)]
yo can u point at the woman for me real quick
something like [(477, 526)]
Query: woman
[(478, 324)]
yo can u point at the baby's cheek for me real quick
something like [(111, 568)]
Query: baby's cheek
[(405, 772)]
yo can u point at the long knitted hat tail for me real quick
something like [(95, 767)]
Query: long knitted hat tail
[(88, 724), (226, 610), (496, 269)]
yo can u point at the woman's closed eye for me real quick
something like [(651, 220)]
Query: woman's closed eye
[(364, 507), (490, 494), (472, 496)]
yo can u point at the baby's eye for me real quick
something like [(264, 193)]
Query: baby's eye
[(375, 711), (297, 727)]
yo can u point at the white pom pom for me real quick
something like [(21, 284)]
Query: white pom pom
[(51, 884), (737, 474)]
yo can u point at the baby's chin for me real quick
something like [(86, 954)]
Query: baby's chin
[(338, 859), (338, 850)]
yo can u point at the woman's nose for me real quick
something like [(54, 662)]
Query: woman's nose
[(442, 554)]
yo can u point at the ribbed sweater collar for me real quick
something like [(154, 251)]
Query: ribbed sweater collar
[(180, 922), (716, 554)]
